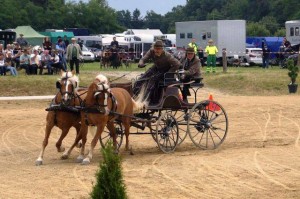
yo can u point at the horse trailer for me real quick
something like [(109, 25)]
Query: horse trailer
[(229, 34)]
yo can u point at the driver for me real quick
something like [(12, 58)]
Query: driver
[(163, 62)]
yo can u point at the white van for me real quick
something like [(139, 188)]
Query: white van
[(90, 41)]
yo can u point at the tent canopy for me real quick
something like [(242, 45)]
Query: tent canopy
[(32, 37), (53, 35)]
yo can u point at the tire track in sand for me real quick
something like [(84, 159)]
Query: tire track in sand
[(190, 192)]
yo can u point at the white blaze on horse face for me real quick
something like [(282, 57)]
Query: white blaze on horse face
[(66, 94)]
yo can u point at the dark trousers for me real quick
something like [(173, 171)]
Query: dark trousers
[(149, 81), (76, 62), (26, 67), (2, 70), (33, 69)]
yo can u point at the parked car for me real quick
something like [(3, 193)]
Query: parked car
[(254, 56), (97, 52), (87, 55)]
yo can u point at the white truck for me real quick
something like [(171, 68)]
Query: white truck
[(229, 34)]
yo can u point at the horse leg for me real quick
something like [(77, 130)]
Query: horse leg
[(81, 136), (89, 157), (77, 127), (64, 132), (49, 126), (126, 124), (112, 130)]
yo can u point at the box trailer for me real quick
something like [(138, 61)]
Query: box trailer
[(229, 34)]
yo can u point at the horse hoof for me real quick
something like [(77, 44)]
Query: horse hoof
[(79, 145), (64, 156), (38, 162), (79, 159), (86, 161), (61, 149)]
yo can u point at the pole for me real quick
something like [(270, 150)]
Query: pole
[(224, 59)]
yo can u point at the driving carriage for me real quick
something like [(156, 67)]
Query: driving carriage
[(110, 107)]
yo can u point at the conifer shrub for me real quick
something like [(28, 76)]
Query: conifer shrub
[(109, 184)]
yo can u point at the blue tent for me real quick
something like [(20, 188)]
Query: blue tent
[(273, 43)]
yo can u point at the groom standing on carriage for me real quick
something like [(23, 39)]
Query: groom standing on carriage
[(163, 62)]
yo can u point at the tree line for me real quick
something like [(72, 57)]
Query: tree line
[(264, 17)]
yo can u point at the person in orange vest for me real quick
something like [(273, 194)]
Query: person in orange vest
[(211, 50)]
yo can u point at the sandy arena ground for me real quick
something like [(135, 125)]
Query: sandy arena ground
[(260, 157)]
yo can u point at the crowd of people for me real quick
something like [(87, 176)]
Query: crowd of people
[(47, 59)]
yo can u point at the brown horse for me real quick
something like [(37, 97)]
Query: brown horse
[(61, 114), (102, 106)]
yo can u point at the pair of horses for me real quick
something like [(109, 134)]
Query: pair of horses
[(99, 105)]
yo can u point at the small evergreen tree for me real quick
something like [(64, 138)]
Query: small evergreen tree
[(110, 184), (293, 70)]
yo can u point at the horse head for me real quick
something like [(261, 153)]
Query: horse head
[(98, 92), (67, 85)]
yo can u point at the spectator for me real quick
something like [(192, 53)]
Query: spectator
[(80, 42), (17, 52), (25, 61), (2, 51), (201, 56), (61, 51), (266, 55), (73, 55), (286, 44), (57, 61), (35, 62), (2, 65), (46, 61), (47, 45), (66, 41), (22, 41), (211, 50), (9, 64), (114, 43), (194, 46)]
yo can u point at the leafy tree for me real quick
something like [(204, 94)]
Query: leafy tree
[(137, 20), (270, 23), (256, 29), (280, 32), (215, 15), (153, 20)]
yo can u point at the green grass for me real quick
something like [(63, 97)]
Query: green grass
[(237, 81)]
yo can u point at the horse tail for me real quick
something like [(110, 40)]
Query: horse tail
[(140, 101)]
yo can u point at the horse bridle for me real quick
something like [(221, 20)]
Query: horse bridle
[(70, 94), (105, 90)]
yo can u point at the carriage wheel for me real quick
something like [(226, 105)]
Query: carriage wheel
[(167, 132), (207, 124), (106, 135)]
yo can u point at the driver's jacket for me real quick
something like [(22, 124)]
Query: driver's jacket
[(164, 63)]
